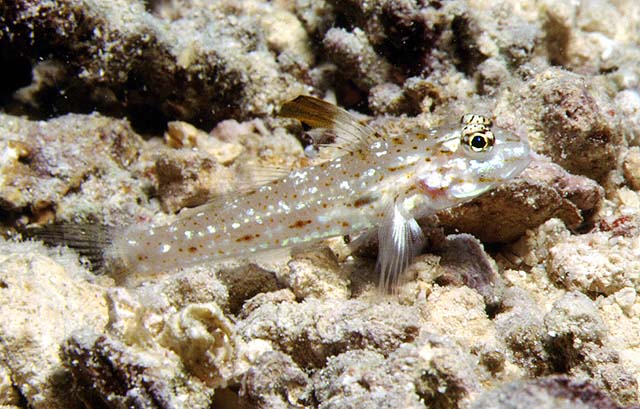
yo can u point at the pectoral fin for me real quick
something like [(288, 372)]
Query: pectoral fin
[(400, 238)]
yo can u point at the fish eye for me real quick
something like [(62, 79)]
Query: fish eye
[(481, 141), (477, 137)]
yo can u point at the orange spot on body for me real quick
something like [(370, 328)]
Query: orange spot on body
[(361, 201), (247, 237), (299, 224)]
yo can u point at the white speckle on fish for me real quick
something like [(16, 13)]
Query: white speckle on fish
[(369, 182)]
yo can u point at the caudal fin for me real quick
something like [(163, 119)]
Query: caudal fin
[(90, 240)]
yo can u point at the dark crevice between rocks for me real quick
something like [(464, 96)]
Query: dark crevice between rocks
[(439, 391), (229, 398), (23, 402), (9, 218), (351, 97), (17, 74), (557, 38), (57, 94), (409, 40), (13, 220), (562, 354), (467, 54), (345, 21), (42, 80)]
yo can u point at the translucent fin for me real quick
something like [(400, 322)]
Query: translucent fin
[(91, 241), (400, 239), (256, 176), (262, 174), (350, 133)]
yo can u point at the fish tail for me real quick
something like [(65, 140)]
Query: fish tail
[(90, 241)]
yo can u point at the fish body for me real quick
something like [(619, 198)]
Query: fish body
[(370, 182)]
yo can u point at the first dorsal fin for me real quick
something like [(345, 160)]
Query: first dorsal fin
[(316, 113)]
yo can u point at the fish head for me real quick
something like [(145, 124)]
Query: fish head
[(471, 160)]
